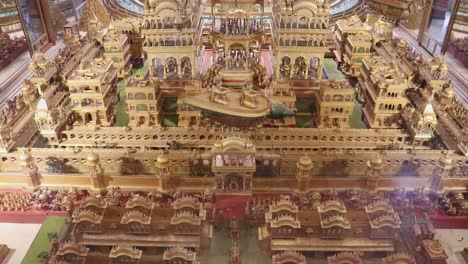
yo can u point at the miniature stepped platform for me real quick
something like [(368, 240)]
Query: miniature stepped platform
[(233, 107), (235, 78), (4, 250), (317, 244)]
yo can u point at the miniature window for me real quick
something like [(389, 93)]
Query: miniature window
[(140, 96), (142, 107)]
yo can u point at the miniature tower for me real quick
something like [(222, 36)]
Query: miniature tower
[(441, 172), (143, 106), (117, 48), (29, 168), (446, 96), (29, 93), (95, 171), (50, 119), (374, 172), (163, 166), (335, 104), (164, 36), (421, 124), (300, 55), (303, 169)]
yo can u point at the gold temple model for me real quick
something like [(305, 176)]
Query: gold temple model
[(321, 136)]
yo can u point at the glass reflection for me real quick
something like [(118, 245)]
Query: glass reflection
[(457, 46), (438, 26), (32, 19)]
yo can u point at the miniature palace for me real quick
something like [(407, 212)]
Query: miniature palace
[(161, 133)]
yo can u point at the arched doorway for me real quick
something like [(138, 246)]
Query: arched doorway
[(186, 66), (300, 67), (88, 118), (314, 68), (237, 56), (233, 182), (141, 120)]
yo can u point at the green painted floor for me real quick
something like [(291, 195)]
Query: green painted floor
[(141, 71), (305, 105), (355, 120), (121, 107), (52, 224), (304, 121), (169, 105), (333, 73), (249, 248), (170, 121)]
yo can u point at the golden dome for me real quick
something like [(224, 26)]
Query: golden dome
[(93, 158), (305, 161), (445, 161), (449, 92), (25, 88), (58, 59), (377, 160), (162, 159), (25, 156)]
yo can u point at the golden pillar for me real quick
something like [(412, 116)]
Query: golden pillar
[(441, 172), (446, 96), (95, 171), (29, 168), (163, 171), (304, 167), (374, 173)]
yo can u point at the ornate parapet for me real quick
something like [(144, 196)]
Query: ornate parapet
[(399, 258), (288, 257), (179, 253), (186, 202), (345, 258), (335, 221), (332, 206), (379, 206), (185, 217), (284, 205), (72, 248), (139, 201), (285, 220), (93, 201), (135, 216), (81, 215), (128, 251), (391, 220), (281, 206)]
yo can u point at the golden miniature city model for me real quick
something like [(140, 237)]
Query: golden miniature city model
[(241, 108)]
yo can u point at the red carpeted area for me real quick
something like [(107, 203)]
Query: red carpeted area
[(28, 217), (231, 206), (234, 206), (449, 222)]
